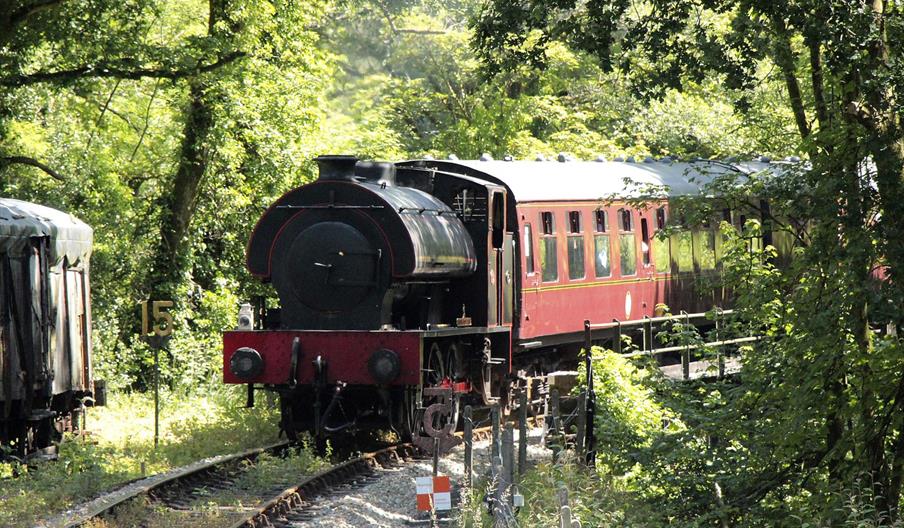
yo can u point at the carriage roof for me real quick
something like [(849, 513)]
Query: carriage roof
[(20, 221), (594, 180)]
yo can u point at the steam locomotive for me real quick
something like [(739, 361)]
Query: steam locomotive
[(408, 288), (46, 378)]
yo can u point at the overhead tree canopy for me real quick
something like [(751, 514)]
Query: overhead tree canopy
[(824, 396)]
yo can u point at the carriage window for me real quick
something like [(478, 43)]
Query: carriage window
[(661, 254), (626, 243), (707, 253), (660, 218), (683, 251), (602, 221), (601, 250), (528, 250), (644, 241), (626, 219), (574, 222), (548, 254), (601, 244), (575, 246), (547, 221)]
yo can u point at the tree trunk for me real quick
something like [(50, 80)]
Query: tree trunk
[(888, 155), (179, 206)]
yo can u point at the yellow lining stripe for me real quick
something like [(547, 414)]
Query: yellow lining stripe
[(656, 278)]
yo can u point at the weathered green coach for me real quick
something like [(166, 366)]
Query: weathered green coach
[(45, 326)]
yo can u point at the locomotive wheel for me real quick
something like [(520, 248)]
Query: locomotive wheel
[(406, 423), (436, 365)]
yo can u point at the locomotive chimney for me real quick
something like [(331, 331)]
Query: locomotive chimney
[(341, 167)]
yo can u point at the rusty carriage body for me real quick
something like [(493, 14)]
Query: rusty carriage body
[(46, 375)]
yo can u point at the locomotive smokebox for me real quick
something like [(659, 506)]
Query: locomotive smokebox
[(337, 167)]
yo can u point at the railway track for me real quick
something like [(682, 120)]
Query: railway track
[(299, 505), (178, 498), (174, 490)]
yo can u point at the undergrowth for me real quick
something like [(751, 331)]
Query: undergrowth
[(119, 447)]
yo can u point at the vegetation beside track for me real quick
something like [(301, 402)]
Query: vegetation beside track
[(120, 443)]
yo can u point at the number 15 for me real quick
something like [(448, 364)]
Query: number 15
[(163, 320)]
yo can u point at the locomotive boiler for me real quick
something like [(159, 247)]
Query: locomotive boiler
[(407, 288)]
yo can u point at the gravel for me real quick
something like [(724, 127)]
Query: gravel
[(387, 498)]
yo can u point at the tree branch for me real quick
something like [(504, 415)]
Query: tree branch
[(24, 160), (816, 76), (414, 31), (116, 72), (784, 58), (26, 11)]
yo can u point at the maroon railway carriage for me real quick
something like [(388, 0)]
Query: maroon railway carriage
[(396, 280)]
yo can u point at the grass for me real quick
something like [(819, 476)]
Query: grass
[(120, 448), (595, 500)]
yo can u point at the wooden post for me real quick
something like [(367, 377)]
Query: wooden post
[(686, 353), (557, 444), (589, 440), (469, 445), (720, 356), (494, 417), (508, 461), (498, 485), (580, 435), (564, 509), (522, 432), (435, 456), (565, 517), (156, 395)]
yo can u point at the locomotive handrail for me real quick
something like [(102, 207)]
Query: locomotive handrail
[(330, 206)]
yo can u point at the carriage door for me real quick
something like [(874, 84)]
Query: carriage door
[(502, 269)]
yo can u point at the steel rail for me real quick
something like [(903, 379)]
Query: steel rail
[(159, 482)]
